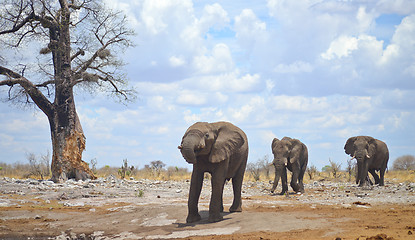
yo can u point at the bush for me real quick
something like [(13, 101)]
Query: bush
[(311, 171), (334, 168), (406, 162), (255, 170), (125, 169), (39, 167)]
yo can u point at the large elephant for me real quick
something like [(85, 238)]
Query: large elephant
[(371, 155), (221, 149), (292, 154)]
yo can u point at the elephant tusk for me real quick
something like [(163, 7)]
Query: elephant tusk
[(367, 155), (353, 157)]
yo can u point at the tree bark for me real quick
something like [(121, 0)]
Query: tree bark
[(68, 143), (67, 157)]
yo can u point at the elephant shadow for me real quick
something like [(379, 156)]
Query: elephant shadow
[(285, 194), (203, 221)]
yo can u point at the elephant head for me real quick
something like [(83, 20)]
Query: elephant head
[(217, 141), (363, 148), (286, 151)]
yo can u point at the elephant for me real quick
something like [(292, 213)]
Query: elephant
[(221, 149), (292, 154), (371, 155)]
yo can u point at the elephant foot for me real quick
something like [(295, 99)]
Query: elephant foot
[(284, 191), (213, 217), (191, 218), (235, 209)]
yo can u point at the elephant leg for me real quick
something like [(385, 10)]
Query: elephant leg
[(284, 183), (194, 194), (375, 176), (300, 181), (216, 199), (237, 188), (382, 175), (368, 180), (294, 179)]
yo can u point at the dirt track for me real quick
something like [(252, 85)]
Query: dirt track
[(114, 209)]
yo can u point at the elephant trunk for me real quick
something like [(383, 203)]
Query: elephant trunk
[(359, 169), (362, 169), (188, 147), (278, 172)]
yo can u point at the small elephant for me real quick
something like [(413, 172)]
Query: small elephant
[(292, 154), (220, 149), (371, 155)]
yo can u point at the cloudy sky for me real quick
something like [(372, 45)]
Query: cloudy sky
[(317, 70)]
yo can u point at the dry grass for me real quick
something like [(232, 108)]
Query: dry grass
[(20, 171), (399, 176), (343, 176)]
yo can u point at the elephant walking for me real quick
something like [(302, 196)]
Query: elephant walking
[(371, 154), (289, 154), (220, 149)]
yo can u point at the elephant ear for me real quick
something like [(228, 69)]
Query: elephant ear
[(348, 147), (372, 147), (274, 143), (296, 149), (227, 142)]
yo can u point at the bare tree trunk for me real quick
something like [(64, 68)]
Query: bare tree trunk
[(68, 143)]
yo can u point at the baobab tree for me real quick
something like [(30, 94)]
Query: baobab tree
[(75, 44)]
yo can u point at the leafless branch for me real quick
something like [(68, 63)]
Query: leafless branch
[(13, 78)]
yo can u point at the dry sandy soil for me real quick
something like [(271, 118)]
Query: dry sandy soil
[(143, 209)]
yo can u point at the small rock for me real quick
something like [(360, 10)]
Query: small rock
[(38, 217), (363, 206), (63, 196)]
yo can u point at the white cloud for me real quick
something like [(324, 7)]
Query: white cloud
[(177, 61), (364, 19), (296, 67), (299, 103), (190, 117), (402, 43), (219, 61), (251, 32), (401, 7), (158, 14), (341, 47), (187, 97), (213, 16)]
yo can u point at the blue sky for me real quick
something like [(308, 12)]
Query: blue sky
[(319, 71)]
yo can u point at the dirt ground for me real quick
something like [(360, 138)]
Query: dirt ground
[(125, 211)]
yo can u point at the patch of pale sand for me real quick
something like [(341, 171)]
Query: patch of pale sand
[(201, 232), (159, 220)]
